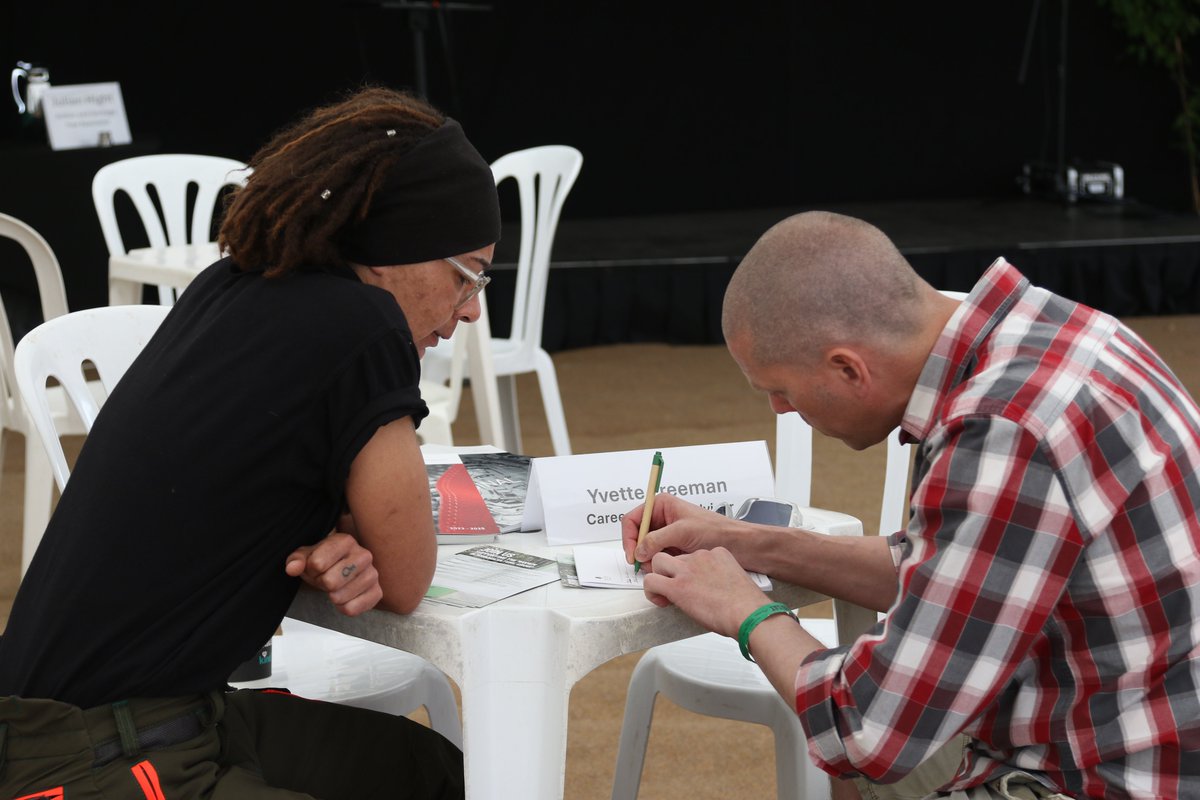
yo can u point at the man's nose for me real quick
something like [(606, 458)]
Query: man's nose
[(779, 405)]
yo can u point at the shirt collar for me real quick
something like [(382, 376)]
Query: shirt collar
[(954, 353)]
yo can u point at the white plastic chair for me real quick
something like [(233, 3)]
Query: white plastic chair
[(342, 669), (544, 176), (793, 471), (109, 337), (443, 397), (159, 186), (39, 482), (313, 662), (893, 514), (707, 675)]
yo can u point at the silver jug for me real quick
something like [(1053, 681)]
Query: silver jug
[(37, 81)]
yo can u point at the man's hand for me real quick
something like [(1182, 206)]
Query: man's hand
[(854, 568), (710, 586), (342, 568), (676, 526)]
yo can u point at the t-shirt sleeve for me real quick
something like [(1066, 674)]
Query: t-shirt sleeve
[(379, 384)]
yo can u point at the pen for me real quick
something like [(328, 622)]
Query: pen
[(656, 466)]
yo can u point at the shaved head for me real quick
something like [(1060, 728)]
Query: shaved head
[(818, 280)]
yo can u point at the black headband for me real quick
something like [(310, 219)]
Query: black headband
[(438, 200)]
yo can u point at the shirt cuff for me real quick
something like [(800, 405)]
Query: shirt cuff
[(817, 711)]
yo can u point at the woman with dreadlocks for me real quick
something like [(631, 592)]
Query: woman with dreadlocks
[(277, 402)]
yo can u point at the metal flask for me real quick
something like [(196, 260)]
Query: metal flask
[(37, 81)]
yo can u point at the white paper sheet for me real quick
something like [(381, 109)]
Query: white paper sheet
[(482, 575), (603, 566)]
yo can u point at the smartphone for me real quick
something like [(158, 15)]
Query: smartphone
[(765, 511)]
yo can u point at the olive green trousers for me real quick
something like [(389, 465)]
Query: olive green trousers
[(220, 746)]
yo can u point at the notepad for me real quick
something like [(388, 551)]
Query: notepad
[(603, 566)]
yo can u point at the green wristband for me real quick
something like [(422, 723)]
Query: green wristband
[(752, 622)]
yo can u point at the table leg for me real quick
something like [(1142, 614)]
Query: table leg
[(852, 621), (515, 689)]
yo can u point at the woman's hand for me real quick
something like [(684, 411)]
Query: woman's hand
[(341, 567)]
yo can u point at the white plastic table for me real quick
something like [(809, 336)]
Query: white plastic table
[(516, 660)]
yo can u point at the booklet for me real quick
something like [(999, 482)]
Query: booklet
[(476, 495), (603, 566), (482, 575)]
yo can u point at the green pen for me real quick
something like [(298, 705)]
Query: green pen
[(656, 467)]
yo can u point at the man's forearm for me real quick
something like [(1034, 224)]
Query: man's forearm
[(854, 568)]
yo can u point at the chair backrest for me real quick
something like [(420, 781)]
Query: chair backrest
[(159, 186), (544, 176), (793, 470), (793, 465), (53, 295), (470, 348), (443, 397), (458, 363), (793, 459), (109, 338)]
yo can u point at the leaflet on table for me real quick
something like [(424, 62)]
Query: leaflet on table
[(582, 498), (476, 495), (603, 566), (484, 574)]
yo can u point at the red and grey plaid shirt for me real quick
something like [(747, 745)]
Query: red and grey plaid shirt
[(1049, 602)]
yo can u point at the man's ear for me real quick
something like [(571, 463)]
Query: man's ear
[(850, 369)]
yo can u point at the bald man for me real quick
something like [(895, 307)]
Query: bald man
[(1040, 637)]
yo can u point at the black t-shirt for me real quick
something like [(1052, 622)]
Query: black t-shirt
[(225, 447)]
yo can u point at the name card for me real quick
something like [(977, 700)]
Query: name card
[(582, 498), (85, 115)]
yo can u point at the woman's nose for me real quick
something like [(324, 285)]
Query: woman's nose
[(471, 310)]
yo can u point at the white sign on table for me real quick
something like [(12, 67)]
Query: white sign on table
[(582, 498), (85, 115)]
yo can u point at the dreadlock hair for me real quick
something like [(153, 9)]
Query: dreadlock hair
[(317, 176)]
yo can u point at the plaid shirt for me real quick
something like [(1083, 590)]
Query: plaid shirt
[(1049, 602)]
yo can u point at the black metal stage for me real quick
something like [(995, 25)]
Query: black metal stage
[(661, 278)]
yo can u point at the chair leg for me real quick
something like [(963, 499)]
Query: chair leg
[(510, 418), (440, 705), (4, 434), (796, 777), (39, 495), (635, 728), (548, 383)]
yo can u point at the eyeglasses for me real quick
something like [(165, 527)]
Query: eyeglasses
[(477, 281)]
